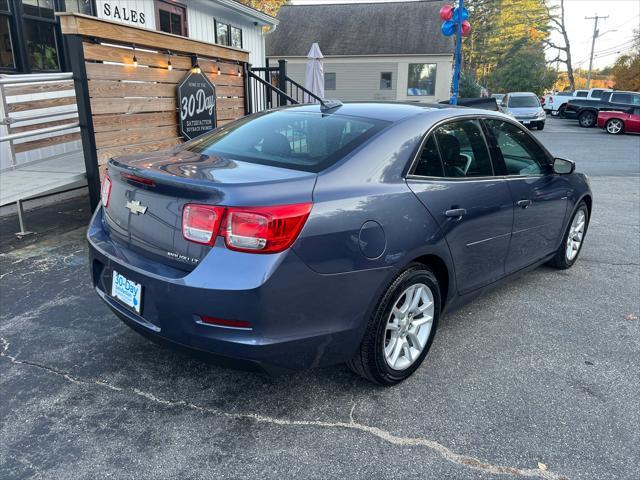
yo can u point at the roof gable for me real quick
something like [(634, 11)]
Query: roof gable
[(398, 28)]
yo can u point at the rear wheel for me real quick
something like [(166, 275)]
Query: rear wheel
[(573, 238), (614, 126), (587, 119), (400, 332), (561, 111)]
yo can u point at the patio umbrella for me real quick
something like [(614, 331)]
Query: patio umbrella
[(314, 76)]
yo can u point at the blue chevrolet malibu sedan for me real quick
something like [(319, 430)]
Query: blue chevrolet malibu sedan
[(309, 236)]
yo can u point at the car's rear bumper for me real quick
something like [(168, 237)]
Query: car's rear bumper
[(299, 318)]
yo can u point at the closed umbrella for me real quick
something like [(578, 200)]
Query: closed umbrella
[(314, 76)]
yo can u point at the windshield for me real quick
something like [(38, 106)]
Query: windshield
[(524, 101), (300, 141)]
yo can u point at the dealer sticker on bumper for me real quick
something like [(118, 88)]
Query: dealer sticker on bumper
[(128, 292)]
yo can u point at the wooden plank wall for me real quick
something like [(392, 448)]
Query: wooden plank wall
[(135, 108), (18, 106)]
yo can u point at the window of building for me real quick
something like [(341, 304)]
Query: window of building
[(222, 33), (236, 37), (329, 81), (386, 81), (39, 32), (171, 17), (7, 59), (79, 6), (421, 79)]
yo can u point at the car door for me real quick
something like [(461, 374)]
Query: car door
[(633, 123), (539, 196), (453, 177)]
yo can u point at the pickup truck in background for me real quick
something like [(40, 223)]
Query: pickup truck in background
[(586, 111), (556, 104)]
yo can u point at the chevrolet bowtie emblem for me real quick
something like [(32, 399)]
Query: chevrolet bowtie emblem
[(135, 207)]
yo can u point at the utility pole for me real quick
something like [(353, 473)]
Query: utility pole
[(593, 43)]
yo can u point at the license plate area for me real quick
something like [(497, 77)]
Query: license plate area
[(126, 291)]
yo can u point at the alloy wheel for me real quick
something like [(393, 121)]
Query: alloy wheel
[(587, 119), (408, 326), (576, 233), (614, 126)]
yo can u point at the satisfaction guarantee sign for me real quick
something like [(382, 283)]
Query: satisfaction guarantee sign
[(197, 103)]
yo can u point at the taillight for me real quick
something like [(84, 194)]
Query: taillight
[(264, 229), (200, 223), (105, 191), (245, 229)]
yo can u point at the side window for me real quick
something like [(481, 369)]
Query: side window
[(463, 149), (582, 94), (621, 98), (521, 155), (635, 99), (597, 93), (429, 164)]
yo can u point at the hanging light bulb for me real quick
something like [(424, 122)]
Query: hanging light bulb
[(239, 73), (219, 71), (169, 66), (135, 60), (195, 68)]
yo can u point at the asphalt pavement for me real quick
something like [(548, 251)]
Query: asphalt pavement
[(537, 379)]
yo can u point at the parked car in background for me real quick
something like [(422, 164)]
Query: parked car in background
[(308, 236), (524, 107), (617, 122), (556, 104), (586, 111), (498, 97)]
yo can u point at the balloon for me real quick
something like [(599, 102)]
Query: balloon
[(466, 28), (446, 12), (465, 14), (448, 28)]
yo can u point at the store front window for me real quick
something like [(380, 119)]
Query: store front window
[(421, 81), (171, 17)]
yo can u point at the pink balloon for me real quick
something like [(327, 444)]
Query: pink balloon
[(446, 12), (466, 28)]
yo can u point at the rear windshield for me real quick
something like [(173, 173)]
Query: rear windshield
[(300, 141), (524, 101)]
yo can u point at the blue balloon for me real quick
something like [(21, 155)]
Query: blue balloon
[(456, 12), (448, 28)]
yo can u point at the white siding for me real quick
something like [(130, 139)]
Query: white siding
[(200, 22), (358, 78)]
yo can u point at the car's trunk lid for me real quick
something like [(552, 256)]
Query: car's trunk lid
[(149, 192)]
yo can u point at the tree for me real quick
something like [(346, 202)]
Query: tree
[(469, 88), (524, 68), (270, 7), (557, 24), (497, 25), (626, 70)]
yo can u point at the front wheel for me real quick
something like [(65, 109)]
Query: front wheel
[(541, 126), (573, 238), (561, 111), (401, 329), (614, 126), (587, 119)]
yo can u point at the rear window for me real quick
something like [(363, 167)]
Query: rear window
[(524, 101), (300, 141), (582, 94)]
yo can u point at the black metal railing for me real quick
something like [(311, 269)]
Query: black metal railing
[(269, 87)]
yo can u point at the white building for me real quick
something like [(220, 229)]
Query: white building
[(392, 51)]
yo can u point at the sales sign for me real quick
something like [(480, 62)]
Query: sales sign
[(197, 103)]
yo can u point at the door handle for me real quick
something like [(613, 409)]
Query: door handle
[(523, 203), (456, 213)]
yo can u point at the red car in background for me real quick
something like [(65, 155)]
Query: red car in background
[(616, 122)]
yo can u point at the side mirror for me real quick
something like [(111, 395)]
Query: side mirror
[(562, 166)]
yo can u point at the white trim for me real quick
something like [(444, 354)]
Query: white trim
[(238, 7)]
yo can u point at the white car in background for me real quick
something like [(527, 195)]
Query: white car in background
[(555, 104), (524, 107)]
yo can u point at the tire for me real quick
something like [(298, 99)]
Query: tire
[(614, 126), (561, 259), (587, 119), (541, 126), (370, 360), (561, 111)]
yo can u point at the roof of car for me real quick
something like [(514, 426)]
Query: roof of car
[(522, 94), (387, 111)]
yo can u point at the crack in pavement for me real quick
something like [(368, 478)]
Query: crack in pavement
[(444, 452)]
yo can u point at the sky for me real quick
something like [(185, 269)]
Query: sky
[(624, 16)]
